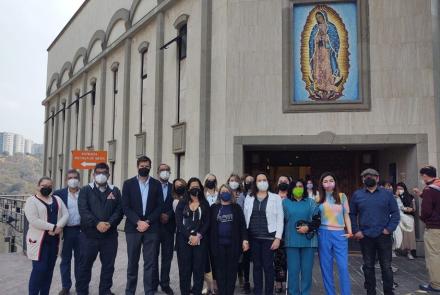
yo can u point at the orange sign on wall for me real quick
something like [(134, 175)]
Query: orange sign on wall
[(86, 160)]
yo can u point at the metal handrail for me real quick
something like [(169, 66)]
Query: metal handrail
[(12, 214)]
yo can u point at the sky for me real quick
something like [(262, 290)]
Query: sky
[(27, 28)]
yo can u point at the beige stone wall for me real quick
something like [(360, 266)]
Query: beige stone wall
[(401, 78), (246, 81)]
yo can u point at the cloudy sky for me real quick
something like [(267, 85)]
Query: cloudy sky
[(27, 28)]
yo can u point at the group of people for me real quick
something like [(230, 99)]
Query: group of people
[(217, 230)]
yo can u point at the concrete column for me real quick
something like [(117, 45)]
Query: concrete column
[(83, 123), (67, 131), (158, 101), (46, 139), (101, 105), (126, 110), (205, 87), (55, 148)]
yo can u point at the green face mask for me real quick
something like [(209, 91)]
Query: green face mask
[(298, 192)]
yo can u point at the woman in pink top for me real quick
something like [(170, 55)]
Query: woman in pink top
[(332, 238)]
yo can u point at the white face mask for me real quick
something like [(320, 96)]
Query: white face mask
[(262, 186), (234, 185), (101, 179), (164, 175), (400, 192), (73, 183)]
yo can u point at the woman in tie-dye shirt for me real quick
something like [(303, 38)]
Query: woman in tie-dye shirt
[(333, 235)]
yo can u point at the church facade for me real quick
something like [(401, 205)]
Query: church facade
[(292, 87)]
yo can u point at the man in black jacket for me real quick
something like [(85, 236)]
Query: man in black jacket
[(167, 228), (100, 209), (142, 201)]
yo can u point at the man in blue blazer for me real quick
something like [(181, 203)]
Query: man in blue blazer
[(70, 195), (167, 229), (142, 202)]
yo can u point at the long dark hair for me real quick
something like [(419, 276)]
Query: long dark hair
[(292, 185), (201, 196), (322, 192), (174, 193), (406, 198), (254, 185), (277, 189), (315, 188)]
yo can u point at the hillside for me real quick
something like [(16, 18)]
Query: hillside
[(20, 173)]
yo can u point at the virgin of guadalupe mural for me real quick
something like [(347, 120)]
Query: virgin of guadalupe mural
[(324, 54)]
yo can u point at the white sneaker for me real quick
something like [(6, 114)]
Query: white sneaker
[(410, 257), (394, 254)]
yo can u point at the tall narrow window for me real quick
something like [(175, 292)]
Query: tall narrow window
[(182, 41), (115, 92), (181, 55), (92, 101), (52, 128), (77, 119), (144, 75), (63, 126)]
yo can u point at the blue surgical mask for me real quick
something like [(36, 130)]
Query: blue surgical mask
[(225, 197)]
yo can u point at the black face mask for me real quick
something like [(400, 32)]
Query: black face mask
[(283, 186), (370, 182), (195, 192), (144, 172), (46, 191), (180, 190), (210, 184)]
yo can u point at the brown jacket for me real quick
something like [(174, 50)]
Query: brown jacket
[(430, 213)]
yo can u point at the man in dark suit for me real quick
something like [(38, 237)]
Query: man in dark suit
[(167, 228), (142, 201), (71, 231), (100, 208)]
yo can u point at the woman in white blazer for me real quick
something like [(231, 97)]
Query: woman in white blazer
[(47, 215), (264, 216)]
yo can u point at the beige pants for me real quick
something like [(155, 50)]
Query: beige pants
[(432, 256)]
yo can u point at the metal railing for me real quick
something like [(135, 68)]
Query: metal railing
[(14, 221)]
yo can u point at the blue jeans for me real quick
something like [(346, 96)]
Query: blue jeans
[(300, 270), (70, 245), (263, 258), (42, 270), (334, 246)]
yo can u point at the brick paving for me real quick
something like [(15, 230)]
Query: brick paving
[(15, 270)]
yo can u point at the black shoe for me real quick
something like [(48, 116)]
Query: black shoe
[(64, 291), (167, 290), (246, 288)]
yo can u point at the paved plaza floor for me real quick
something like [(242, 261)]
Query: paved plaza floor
[(15, 269)]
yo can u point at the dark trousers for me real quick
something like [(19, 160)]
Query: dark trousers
[(263, 258), (226, 269), (90, 247), (70, 246), (382, 247), (166, 247), (42, 270), (191, 261), (245, 266), (147, 241)]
